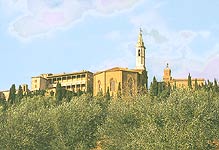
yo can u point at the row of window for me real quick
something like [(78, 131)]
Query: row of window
[(68, 87), (66, 78), (112, 86)]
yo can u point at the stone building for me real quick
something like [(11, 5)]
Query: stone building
[(180, 82), (129, 80), (75, 81)]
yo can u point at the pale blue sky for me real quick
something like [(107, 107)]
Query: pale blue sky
[(54, 36)]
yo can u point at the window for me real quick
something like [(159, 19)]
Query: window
[(139, 52), (35, 81), (112, 85), (50, 81)]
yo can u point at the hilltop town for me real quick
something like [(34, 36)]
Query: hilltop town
[(114, 80)]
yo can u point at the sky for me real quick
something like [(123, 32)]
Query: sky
[(56, 36)]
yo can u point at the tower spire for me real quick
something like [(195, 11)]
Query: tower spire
[(140, 39), (140, 52)]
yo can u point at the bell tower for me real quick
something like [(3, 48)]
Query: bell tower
[(140, 52), (167, 74)]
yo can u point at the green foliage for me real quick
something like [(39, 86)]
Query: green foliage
[(20, 93), (196, 85), (144, 80), (189, 81), (38, 123), (37, 93), (12, 95), (51, 93), (79, 92), (59, 93), (185, 119), (100, 93), (3, 104), (108, 94), (215, 87), (166, 89), (154, 87), (119, 92)]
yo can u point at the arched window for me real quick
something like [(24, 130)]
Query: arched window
[(112, 85), (139, 52), (131, 85)]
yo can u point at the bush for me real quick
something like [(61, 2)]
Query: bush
[(186, 119), (38, 123)]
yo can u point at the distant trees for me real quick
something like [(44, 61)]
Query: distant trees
[(160, 89), (119, 92), (108, 94), (12, 94), (196, 85), (59, 93), (36, 123), (189, 81), (187, 119), (183, 121), (154, 87), (20, 93), (144, 80), (3, 103), (216, 87)]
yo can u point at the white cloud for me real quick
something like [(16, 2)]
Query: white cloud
[(42, 16), (204, 34), (106, 6)]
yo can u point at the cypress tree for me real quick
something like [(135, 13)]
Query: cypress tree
[(168, 88), (144, 80), (189, 81), (210, 85), (20, 93), (154, 87), (12, 94), (119, 92), (108, 94), (59, 95), (196, 84), (215, 85), (3, 102), (174, 87), (160, 86)]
